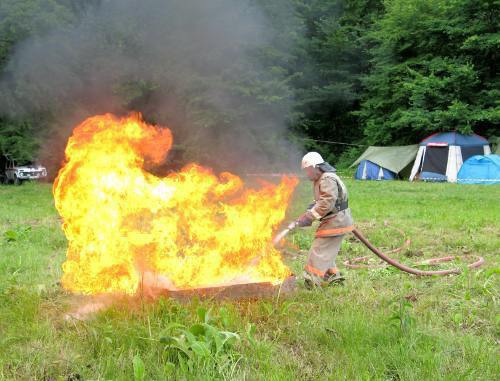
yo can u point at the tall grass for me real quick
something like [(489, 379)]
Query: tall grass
[(382, 324)]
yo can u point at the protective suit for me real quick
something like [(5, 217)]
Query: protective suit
[(331, 209)]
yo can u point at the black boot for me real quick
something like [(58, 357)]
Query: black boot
[(331, 279)]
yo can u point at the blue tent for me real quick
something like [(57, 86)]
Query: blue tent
[(384, 163), (480, 169), (441, 155), (371, 171), (454, 139)]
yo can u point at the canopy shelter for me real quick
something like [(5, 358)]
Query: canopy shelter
[(441, 155), (480, 169), (384, 163)]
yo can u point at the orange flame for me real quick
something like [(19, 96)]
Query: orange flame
[(192, 228)]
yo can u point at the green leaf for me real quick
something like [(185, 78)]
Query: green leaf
[(219, 343), (197, 329), (224, 316), (172, 327), (200, 349), (190, 338), (202, 314), (139, 370), (169, 368), (11, 235), (250, 333), (168, 340), (230, 338), (183, 363), (181, 348), (457, 318)]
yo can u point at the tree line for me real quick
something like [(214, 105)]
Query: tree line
[(363, 72)]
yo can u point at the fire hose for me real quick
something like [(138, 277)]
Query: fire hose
[(391, 261)]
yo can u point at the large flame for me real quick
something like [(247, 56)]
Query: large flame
[(192, 228)]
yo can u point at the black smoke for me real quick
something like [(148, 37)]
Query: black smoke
[(198, 67)]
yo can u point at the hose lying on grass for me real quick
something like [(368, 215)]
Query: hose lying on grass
[(400, 266)]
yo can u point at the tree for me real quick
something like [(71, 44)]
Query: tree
[(332, 58), (18, 139), (433, 70), (19, 20), (203, 69)]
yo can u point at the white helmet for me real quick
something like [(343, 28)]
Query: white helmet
[(311, 159)]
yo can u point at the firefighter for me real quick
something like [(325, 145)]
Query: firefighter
[(331, 208)]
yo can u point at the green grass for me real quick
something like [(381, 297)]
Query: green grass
[(382, 324)]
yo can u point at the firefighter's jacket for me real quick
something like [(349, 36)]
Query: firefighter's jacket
[(330, 195)]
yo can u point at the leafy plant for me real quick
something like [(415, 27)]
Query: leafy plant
[(202, 345), (17, 234), (139, 369), (402, 317)]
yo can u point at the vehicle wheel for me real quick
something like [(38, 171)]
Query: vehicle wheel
[(17, 181)]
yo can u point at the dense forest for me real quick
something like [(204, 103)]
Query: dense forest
[(248, 75)]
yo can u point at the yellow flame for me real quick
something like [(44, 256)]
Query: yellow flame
[(192, 228)]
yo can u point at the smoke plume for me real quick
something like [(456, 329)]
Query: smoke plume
[(193, 65)]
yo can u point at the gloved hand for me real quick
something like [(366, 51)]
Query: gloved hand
[(305, 219)]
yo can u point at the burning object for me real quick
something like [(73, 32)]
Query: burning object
[(191, 229)]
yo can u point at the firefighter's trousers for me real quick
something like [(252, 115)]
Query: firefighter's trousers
[(322, 257)]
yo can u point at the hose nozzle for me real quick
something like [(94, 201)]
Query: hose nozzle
[(277, 239)]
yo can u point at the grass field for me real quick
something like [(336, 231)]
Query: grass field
[(382, 325)]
